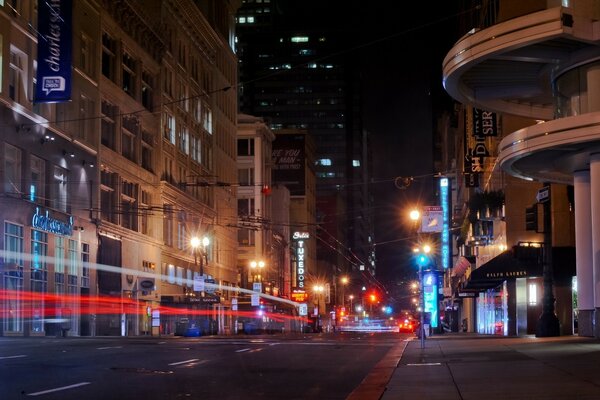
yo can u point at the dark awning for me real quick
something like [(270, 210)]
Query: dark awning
[(504, 266), (520, 262)]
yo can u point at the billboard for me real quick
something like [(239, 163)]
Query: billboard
[(54, 51), (288, 158)]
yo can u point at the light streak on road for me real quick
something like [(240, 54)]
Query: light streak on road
[(58, 389)]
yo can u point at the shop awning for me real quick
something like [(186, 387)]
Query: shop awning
[(504, 266), (460, 267)]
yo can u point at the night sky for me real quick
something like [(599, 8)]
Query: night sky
[(403, 93)]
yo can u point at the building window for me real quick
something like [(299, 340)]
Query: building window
[(12, 169), (39, 277), (59, 264), (129, 198), (533, 299), (145, 211), (168, 82), (147, 148), (39, 249), (108, 125), (13, 276), (169, 128), (245, 207), (245, 147), (36, 184), (87, 55), (147, 91), (246, 176), (16, 76), (207, 119), (299, 39), (131, 127), (128, 78), (196, 149), (108, 196), (85, 265), (184, 139), (324, 161), (356, 163), (168, 225), (73, 263), (87, 118), (58, 189), (109, 47)]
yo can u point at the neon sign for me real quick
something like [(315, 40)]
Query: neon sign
[(53, 225), (300, 254), (445, 203)]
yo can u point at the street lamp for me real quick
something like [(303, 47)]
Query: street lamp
[(422, 258), (344, 280), (196, 242), (257, 267)]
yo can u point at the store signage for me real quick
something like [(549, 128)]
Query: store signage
[(303, 310), (54, 51), (431, 221), (299, 295), (445, 231), (543, 195), (46, 223), (300, 237), (430, 297), (147, 283), (467, 294)]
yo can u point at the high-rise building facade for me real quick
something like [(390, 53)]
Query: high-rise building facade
[(293, 75), (115, 178)]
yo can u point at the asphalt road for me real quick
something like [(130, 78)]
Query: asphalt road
[(243, 367)]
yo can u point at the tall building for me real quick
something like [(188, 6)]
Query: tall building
[(115, 164), (549, 117), (290, 75)]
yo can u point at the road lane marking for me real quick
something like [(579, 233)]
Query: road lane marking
[(7, 357), (423, 364), (58, 389), (242, 350), (185, 362), (109, 347)]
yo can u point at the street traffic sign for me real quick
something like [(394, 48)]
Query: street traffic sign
[(543, 195)]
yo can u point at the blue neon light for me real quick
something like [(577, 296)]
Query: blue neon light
[(430, 298)]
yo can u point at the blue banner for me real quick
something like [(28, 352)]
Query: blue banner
[(54, 51)]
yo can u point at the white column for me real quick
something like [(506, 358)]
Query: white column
[(584, 252), (595, 220)]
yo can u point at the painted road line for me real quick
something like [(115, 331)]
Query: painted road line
[(109, 347), (7, 357), (423, 364), (58, 389), (185, 362), (242, 350)]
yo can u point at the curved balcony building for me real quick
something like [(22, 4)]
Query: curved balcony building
[(545, 66)]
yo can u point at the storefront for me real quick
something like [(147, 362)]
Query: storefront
[(509, 290)]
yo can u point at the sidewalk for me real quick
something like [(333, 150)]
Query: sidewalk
[(468, 366)]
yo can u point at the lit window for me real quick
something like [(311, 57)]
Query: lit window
[(324, 161), (250, 20), (356, 163), (299, 39), (242, 20), (532, 294)]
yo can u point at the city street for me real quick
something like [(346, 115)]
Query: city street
[(324, 366)]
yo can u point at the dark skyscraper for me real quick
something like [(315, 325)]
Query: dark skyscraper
[(295, 72)]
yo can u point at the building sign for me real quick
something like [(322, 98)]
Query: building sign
[(445, 231), (288, 158), (54, 51), (299, 295), (303, 310), (480, 134), (431, 221), (46, 223), (300, 239), (430, 293)]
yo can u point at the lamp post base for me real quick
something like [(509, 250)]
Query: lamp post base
[(547, 325)]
